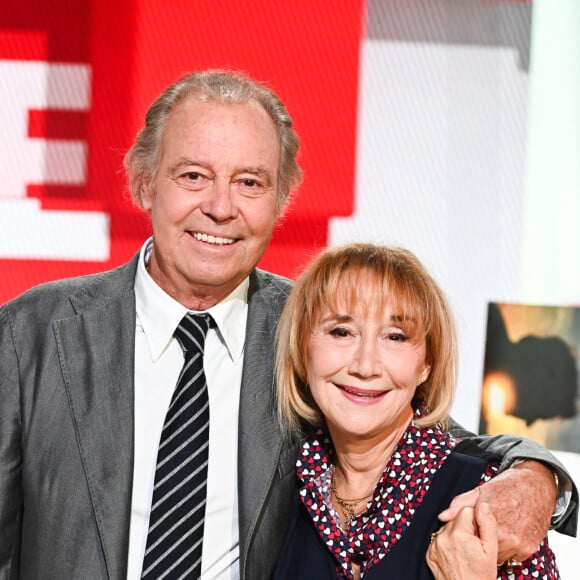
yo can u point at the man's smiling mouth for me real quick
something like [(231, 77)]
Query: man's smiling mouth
[(217, 240)]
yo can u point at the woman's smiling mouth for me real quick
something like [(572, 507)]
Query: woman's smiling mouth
[(361, 394)]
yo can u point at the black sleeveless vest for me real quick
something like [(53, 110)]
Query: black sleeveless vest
[(305, 557)]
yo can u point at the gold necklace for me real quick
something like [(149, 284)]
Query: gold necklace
[(348, 505)]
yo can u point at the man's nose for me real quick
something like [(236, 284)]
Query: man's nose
[(220, 202)]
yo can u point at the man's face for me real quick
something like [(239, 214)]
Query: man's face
[(213, 203)]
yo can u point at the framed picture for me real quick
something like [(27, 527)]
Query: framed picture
[(530, 378)]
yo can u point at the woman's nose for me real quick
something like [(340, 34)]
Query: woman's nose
[(366, 361)]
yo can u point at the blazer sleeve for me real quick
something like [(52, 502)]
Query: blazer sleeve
[(10, 452), (511, 448)]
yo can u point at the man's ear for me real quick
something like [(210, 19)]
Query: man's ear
[(147, 194)]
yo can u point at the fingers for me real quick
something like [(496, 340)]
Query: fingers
[(487, 527), (508, 549), (462, 525), (467, 499), (435, 562), (464, 521), (465, 547)]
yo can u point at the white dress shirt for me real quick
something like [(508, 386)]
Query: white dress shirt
[(158, 362)]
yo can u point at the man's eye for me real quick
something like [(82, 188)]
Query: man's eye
[(193, 175), (249, 182)]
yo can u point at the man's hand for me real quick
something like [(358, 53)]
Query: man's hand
[(466, 547), (522, 500)]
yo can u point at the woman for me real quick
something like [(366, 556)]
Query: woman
[(366, 360)]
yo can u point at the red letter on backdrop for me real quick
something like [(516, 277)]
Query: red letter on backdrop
[(127, 52)]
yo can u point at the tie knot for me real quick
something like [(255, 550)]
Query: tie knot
[(192, 331)]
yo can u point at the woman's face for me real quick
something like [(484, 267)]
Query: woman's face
[(363, 369)]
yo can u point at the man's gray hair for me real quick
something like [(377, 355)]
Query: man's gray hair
[(142, 160)]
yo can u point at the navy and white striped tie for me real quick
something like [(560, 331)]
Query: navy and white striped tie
[(175, 537)]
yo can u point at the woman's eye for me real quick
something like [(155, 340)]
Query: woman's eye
[(398, 337), (340, 332)]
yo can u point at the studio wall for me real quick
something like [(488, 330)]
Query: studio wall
[(439, 125)]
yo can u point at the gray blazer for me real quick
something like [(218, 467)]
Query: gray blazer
[(66, 430)]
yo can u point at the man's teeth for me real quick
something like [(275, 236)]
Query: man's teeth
[(213, 239)]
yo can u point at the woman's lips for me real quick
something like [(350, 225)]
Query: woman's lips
[(361, 395)]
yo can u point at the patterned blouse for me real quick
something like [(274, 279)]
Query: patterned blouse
[(399, 492)]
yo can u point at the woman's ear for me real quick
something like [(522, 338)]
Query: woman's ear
[(424, 374)]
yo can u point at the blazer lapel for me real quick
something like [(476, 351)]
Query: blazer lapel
[(96, 352), (260, 438)]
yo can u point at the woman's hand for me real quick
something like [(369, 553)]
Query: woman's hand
[(466, 547)]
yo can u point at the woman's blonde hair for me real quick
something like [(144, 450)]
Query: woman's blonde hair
[(362, 275)]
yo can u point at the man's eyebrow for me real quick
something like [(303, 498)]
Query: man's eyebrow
[(184, 162), (256, 170)]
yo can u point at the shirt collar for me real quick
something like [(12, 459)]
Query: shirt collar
[(158, 313)]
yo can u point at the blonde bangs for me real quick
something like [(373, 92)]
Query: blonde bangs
[(363, 289)]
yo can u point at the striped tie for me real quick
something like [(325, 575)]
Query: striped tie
[(175, 536)]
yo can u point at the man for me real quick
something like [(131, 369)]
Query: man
[(88, 365)]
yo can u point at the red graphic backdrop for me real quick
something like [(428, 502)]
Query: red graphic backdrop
[(308, 52)]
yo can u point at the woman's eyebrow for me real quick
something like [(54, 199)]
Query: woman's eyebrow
[(337, 318)]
